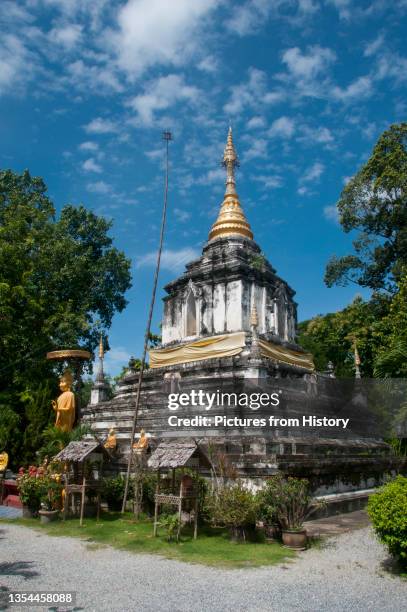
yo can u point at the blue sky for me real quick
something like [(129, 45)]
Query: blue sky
[(87, 86)]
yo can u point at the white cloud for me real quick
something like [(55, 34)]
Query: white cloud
[(307, 66), (282, 127), (173, 261), (255, 122), (208, 64), (313, 173), (96, 78), (162, 94), (343, 7), (100, 126), (88, 146), (252, 93), (320, 135), (211, 177), (393, 66), (258, 149), (253, 14), (308, 6), (16, 63), (182, 215), (247, 17), (67, 35), (99, 187), (374, 46), (90, 165), (115, 359), (269, 181), (152, 32), (358, 89), (331, 213)]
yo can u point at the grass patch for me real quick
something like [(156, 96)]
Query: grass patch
[(213, 546)]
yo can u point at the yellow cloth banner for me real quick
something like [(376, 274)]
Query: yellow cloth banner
[(286, 355), (214, 347)]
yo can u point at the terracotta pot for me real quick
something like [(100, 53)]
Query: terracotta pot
[(295, 539), (47, 516)]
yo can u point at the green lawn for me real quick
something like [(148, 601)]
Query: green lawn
[(213, 546)]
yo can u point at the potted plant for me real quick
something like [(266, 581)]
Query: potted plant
[(292, 503), (50, 499), (268, 515)]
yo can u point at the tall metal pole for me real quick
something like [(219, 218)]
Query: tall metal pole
[(167, 136)]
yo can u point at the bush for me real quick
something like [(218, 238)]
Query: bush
[(113, 490), (388, 512), (170, 522), (38, 487), (233, 507)]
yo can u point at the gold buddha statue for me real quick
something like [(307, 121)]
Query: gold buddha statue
[(111, 440), (3, 461), (64, 406), (142, 442)]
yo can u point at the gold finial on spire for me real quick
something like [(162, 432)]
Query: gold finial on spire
[(231, 219), (101, 350), (356, 360), (254, 319)]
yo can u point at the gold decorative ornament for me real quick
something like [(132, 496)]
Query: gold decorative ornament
[(64, 406), (254, 319), (142, 442), (111, 441), (3, 461), (231, 219), (101, 349), (68, 354)]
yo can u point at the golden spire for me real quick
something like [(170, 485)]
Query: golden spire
[(254, 319), (356, 359), (231, 219), (101, 351)]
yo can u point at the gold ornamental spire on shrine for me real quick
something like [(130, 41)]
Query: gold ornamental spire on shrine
[(231, 219), (101, 350)]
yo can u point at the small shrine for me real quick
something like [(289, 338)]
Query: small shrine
[(83, 465), (166, 459)]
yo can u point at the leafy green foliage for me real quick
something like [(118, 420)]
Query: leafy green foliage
[(330, 337), (388, 511), (61, 281), (170, 522), (391, 358), (374, 203), (113, 490), (54, 440), (288, 499), (234, 507)]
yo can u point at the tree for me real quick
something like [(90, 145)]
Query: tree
[(391, 358), (61, 281), (331, 337), (374, 203)]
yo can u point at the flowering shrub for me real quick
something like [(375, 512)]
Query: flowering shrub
[(38, 487)]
